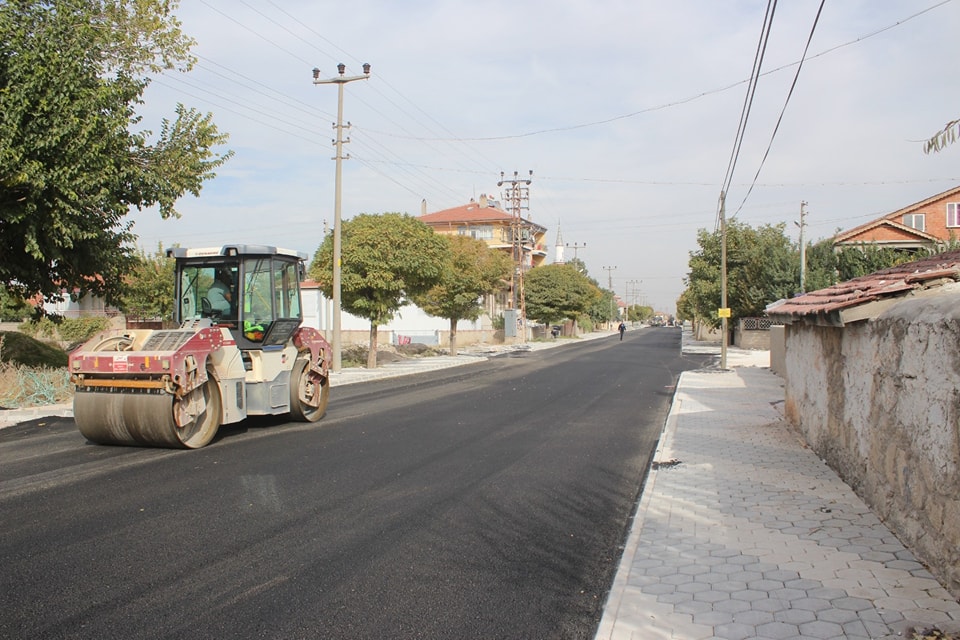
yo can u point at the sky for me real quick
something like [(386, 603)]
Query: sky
[(626, 112)]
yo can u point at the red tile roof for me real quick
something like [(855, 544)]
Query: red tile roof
[(476, 213), (833, 305), (472, 212)]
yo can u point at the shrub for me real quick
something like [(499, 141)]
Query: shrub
[(17, 348), (42, 328), (76, 330)]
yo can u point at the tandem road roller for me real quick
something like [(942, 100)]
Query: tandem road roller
[(239, 351)]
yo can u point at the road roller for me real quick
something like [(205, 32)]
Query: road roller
[(239, 350)]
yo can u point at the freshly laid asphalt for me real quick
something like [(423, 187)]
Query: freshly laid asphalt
[(741, 530)]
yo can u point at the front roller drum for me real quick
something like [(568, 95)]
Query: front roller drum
[(145, 419)]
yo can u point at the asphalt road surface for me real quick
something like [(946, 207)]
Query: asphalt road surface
[(486, 501)]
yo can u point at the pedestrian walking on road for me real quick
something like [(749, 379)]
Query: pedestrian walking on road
[(622, 328)]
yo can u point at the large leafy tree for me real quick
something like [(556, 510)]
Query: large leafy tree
[(386, 260), (72, 73), (603, 308), (762, 267), (148, 288), (472, 270), (557, 291), (639, 313), (13, 307), (868, 257), (821, 262)]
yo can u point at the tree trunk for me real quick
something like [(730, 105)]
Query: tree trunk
[(372, 353), (453, 336)]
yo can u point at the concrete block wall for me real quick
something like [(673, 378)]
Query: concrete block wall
[(879, 401), (778, 350)]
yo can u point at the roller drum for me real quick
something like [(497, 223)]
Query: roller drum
[(144, 419)]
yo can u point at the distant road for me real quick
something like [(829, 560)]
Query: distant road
[(486, 501)]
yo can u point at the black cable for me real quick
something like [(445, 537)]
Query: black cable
[(776, 128)]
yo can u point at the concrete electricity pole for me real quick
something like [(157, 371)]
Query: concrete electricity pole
[(724, 311), (613, 302), (338, 80), (803, 247), (575, 246)]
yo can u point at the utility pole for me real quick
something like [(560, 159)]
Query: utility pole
[(803, 246), (517, 194), (576, 246), (724, 312), (613, 301), (339, 80)]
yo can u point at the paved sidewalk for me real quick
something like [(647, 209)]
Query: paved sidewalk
[(743, 532)]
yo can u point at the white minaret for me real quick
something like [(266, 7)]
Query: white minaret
[(558, 256)]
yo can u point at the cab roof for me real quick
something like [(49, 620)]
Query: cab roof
[(234, 250)]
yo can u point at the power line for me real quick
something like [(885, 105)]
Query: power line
[(784, 109), (751, 91), (679, 101)]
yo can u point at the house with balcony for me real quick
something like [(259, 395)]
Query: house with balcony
[(926, 224), (520, 238), (485, 220)]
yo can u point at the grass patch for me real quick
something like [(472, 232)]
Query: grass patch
[(23, 386), (32, 372)]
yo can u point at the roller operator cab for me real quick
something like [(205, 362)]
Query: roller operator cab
[(240, 350)]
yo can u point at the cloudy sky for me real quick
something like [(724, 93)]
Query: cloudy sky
[(626, 111)]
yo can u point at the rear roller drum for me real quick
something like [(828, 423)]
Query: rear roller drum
[(309, 393), (140, 419)]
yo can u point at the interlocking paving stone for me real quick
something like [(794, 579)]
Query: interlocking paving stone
[(753, 536)]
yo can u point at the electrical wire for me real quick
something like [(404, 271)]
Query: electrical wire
[(748, 101), (783, 110)]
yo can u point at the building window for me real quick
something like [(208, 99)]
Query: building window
[(914, 221), (953, 214), (483, 232)]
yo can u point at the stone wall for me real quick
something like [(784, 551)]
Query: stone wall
[(879, 401)]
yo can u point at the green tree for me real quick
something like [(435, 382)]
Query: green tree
[(604, 308), (639, 313), (868, 257), (13, 308), (557, 291), (148, 289), (72, 73), (472, 270), (821, 262), (386, 260), (762, 267), (580, 266)]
